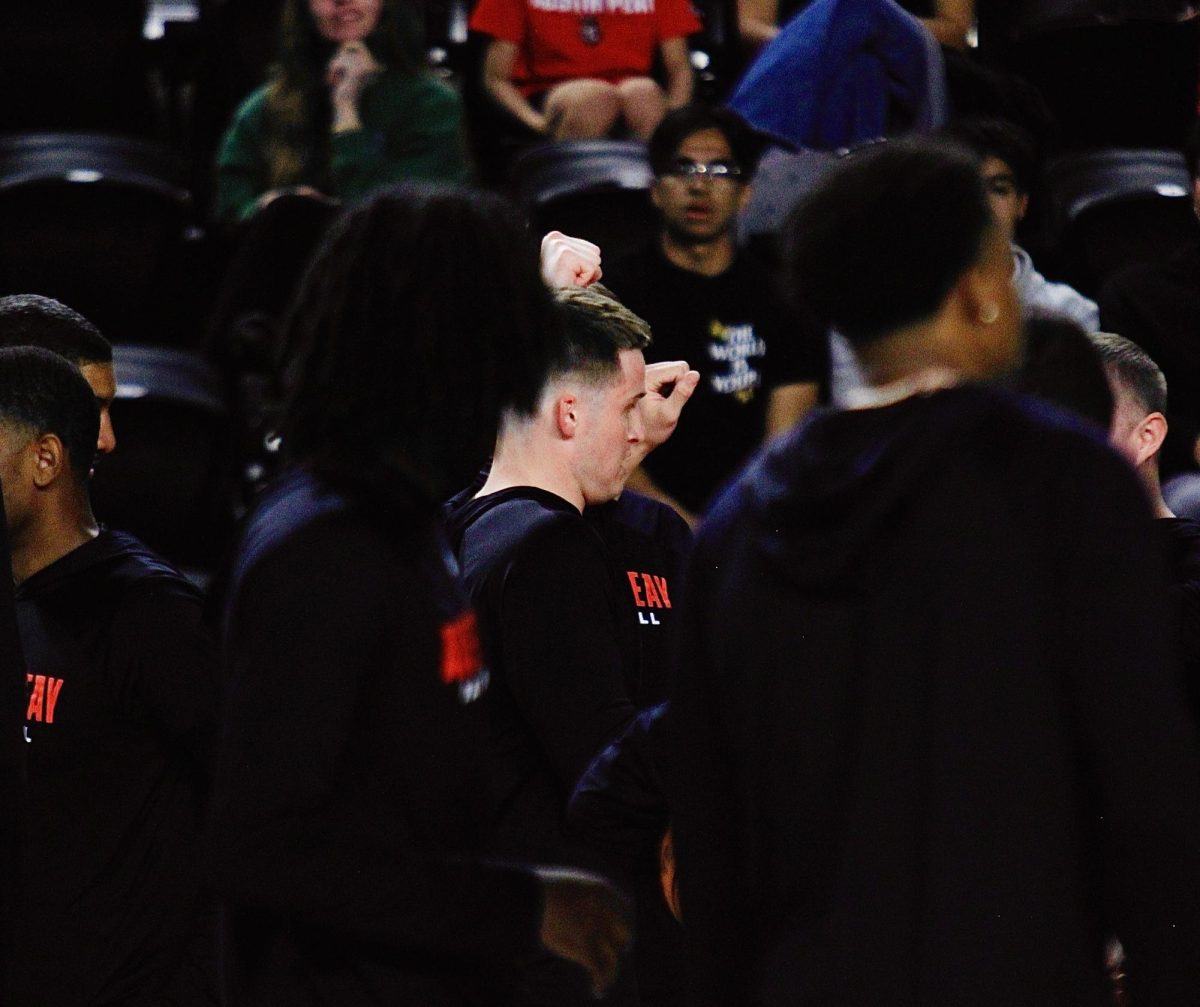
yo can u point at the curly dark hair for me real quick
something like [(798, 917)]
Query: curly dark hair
[(299, 113), (881, 240), (421, 317)]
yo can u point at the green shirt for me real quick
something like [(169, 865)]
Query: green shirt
[(411, 129)]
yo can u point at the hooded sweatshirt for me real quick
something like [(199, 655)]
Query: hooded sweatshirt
[(348, 812), (121, 695), (930, 747)]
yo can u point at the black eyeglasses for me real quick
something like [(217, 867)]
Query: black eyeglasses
[(685, 167)]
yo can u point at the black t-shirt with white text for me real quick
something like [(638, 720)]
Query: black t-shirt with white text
[(733, 329)]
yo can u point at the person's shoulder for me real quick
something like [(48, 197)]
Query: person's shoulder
[(544, 526), (507, 518), (129, 567), (301, 523), (651, 518), (500, 19), (252, 108), (144, 594)]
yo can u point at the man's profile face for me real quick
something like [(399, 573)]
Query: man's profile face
[(610, 424), (1009, 203), (703, 206), (104, 386), (15, 461)]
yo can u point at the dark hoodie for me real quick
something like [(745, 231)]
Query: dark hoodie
[(929, 742), (348, 809), (12, 743), (121, 683), (562, 652)]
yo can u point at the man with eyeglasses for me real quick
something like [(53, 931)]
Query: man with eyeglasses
[(713, 305)]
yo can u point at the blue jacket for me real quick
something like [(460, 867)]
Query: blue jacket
[(844, 71)]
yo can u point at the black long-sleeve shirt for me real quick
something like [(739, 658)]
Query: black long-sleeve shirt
[(563, 654), (121, 689), (348, 807)]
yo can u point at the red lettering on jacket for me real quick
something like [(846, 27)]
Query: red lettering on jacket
[(43, 697), (462, 658), (649, 590), (37, 697), (637, 591), (53, 688)]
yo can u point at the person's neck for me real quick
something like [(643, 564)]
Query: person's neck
[(708, 258), (906, 356), (57, 536), (519, 461), (1148, 473)]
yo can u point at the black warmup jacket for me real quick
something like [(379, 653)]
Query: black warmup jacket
[(930, 745), (348, 808), (12, 750), (648, 544), (562, 652), (121, 696)]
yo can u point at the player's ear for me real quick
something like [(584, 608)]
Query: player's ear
[(1151, 433), (566, 415), (49, 460)]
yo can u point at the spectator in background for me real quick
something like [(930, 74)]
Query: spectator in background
[(1138, 431), (1157, 306), (349, 108), (571, 69), (1009, 163), (714, 305), (949, 21)]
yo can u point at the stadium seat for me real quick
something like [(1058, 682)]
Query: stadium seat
[(595, 189), (98, 222), (1112, 207)]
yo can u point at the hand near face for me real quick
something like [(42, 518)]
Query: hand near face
[(349, 72), (569, 262), (669, 385)]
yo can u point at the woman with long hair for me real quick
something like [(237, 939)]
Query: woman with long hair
[(348, 108)]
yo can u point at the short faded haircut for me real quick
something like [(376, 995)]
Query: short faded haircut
[(41, 393), (597, 327), (34, 320), (1134, 369)]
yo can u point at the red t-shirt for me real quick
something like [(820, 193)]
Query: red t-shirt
[(560, 40)]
